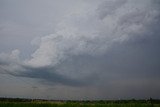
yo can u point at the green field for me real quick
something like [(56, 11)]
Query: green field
[(73, 104), (8, 102)]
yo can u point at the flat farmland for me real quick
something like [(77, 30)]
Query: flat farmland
[(46, 103)]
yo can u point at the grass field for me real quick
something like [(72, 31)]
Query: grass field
[(71, 104), (113, 103)]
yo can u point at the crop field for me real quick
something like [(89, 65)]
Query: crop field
[(114, 103)]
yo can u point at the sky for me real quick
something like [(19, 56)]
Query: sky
[(80, 49)]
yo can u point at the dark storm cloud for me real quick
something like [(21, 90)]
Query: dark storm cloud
[(111, 46), (49, 76), (46, 75)]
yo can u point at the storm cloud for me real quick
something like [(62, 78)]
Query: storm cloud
[(104, 44)]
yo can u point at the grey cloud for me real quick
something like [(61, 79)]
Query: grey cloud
[(109, 7), (70, 39), (49, 75), (114, 43)]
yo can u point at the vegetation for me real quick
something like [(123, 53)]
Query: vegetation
[(45, 103)]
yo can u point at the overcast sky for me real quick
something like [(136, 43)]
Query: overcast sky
[(80, 49)]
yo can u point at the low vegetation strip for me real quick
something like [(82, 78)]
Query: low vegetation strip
[(71, 104), (18, 102)]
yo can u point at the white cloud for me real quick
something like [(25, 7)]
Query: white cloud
[(90, 30), (86, 32), (10, 57)]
